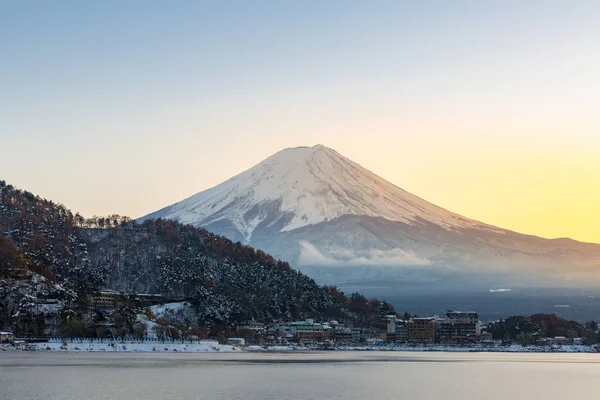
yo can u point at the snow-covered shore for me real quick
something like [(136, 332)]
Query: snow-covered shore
[(513, 348), (145, 347), (213, 347)]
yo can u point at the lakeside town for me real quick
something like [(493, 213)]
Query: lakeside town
[(455, 331)]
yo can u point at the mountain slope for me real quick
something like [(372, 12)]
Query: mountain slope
[(304, 186), (316, 208)]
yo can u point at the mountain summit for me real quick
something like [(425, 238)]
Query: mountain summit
[(316, 208), (304, 186)]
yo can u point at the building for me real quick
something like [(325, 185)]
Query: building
[(422, 330), (312, 333), (6, 337), (459, 327), (340, 332), (285, 329), (304, 331), (368, 333), (343, 335), (146, 299), (401, 331), (109, 299), (236, 341), (560, 340), (397, 330), (327, 332), (463, 316), (255, 327)]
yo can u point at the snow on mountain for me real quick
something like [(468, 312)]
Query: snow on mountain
[(308, 185), (313, 206)]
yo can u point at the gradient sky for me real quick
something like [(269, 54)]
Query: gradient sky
[(488, 108)]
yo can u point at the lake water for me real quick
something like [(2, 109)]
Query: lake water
[(341, 375)]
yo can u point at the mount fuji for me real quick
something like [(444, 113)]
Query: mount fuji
[(343, 224)]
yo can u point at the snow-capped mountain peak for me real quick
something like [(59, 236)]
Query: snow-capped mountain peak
[(303, 186)]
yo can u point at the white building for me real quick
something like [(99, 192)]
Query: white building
[(6, 337), (236, 341)]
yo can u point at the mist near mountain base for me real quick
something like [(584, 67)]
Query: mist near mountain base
[(310, 255)]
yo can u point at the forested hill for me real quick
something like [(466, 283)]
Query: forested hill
[(228, 282), (37, 235)]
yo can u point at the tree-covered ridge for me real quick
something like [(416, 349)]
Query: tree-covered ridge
[(40, 236), (227, 282), (530, 329)]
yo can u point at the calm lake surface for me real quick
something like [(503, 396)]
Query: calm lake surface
[(342, 375)]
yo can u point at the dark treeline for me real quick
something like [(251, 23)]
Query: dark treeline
[(110, 221), (531, 329)]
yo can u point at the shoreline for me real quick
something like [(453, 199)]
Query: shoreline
[(513, 348), (153, 347)]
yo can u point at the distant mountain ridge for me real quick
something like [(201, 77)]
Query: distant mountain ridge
[(316, 208)]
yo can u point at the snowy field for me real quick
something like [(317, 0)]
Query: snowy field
[(146, 347), (515, 348)]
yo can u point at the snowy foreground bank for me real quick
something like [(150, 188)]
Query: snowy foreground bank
[(515, 348), (147, 347), (153, 347)]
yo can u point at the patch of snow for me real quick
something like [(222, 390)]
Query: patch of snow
[(168, 308), (138, 347), (150, 325), (255, 349)]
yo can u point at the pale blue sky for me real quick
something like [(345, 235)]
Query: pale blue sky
[(127, 106)]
